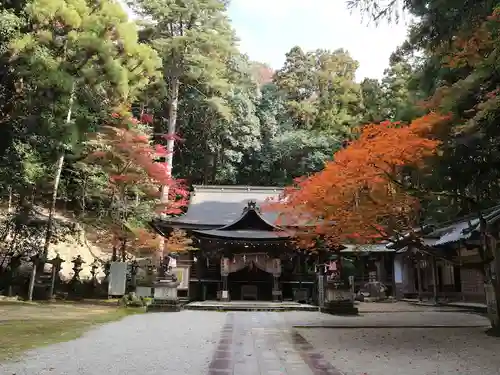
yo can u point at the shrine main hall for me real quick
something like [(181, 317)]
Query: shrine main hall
[(241, 253)]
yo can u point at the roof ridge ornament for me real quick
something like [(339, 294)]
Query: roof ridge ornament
[(251, 205)]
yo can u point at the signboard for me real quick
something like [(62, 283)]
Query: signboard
[(321, 290), (398, 270), (468, 252), (182, 273), (117, 279), (468, 256)]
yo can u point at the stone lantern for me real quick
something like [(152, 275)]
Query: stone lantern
[(78, 262), (339, 298), (93, 271), (56, 268), (134, 266), (165, 290), (75, 284)]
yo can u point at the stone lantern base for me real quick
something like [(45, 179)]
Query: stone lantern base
[(165, 297)]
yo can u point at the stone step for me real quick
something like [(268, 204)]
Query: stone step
[(245, 306), (159, 305)]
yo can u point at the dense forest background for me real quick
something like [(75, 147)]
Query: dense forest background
[(82, 86)]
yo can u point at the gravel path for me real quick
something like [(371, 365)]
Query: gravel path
[(395, 351), (148, 344)]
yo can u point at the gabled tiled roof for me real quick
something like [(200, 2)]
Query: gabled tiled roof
[(217, 206)]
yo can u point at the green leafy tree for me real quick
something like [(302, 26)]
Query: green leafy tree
[(74, 58), (320, 90)]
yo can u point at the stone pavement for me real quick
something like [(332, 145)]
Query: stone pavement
[(266, 343), (261, 344)]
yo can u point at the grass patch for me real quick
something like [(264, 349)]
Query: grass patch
[(17, 336)]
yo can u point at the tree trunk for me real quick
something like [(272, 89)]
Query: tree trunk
[(172, 122), (214, 166), (489, 246), (122, 250), (114, 254), (9, 209), (48, 232), (496, 285), (31, 286), (84, 192), (57, 179)]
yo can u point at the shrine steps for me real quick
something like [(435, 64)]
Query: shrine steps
[(249, 306)]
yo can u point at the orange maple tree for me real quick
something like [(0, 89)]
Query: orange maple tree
[(359, 197)]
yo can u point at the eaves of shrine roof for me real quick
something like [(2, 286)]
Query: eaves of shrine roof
[(215, 206), (462, 229), (454, 231), (240, 234), (368, 248)]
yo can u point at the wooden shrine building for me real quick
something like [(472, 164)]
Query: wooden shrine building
[(242, 254)]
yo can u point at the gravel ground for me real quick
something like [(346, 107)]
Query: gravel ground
[(263, 343), (149, 344), (395, 351), (399, 306), (388, 319)]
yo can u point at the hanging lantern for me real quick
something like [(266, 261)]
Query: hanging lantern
[(225, 264), (277, 264)]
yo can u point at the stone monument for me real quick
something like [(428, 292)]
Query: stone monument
[(165, 290)]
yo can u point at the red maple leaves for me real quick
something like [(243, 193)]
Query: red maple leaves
[(131, 160)]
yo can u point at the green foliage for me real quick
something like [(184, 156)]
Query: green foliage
[(319, 90), (67, 65), (131, 300)]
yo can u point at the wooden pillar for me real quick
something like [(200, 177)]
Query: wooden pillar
[(434, 279), (225, 291), (276, 292), (462, 296), (276, 289), (224, 271), (419, 280)]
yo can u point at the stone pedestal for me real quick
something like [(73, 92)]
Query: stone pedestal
[(277, 294), (144, 291), (339, 301), (165, 296), (224, 293)]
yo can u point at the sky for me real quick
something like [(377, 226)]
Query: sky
[(269, 28)]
